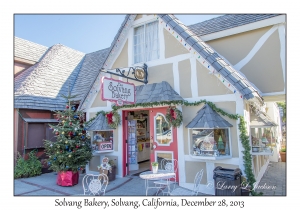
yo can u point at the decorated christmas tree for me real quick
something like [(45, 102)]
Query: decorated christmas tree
[(72, 149), (220, 144)]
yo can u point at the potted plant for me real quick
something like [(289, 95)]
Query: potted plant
[(154, 167), (112, 174), (283, 154), (71, 151)]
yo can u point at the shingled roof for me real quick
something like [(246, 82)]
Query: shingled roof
[(156, 92), (91, 65), (225, 22), (28, 50), (99, 124), (212, 57), (41, 86), (208, 118), (261, 120)]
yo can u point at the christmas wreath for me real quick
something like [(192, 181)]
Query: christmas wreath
[(113, 119), (174, 116)]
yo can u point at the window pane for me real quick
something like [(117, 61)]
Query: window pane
[(163, 130), (163, 155), (146, 43), (210, 142)]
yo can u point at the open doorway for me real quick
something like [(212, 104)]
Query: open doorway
[(138, 141)]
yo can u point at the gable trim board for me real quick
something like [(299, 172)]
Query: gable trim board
[(232, 79)]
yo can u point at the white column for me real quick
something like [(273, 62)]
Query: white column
[(194, 82), (210, 166), (180, 152), (176, 77)]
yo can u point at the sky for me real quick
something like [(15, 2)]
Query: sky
[(85, 33)]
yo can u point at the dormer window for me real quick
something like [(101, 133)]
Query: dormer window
[(146, 43)]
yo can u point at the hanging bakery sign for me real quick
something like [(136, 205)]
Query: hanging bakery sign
[(117, 91)]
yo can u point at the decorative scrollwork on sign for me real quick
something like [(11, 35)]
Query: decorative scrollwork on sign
[(140, 73)]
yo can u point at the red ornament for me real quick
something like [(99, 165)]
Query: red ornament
[(67, 106), (56, 133), (70, 123), (109, 118)]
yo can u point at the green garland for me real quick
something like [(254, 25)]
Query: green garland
[(113, 125), (177, 121), (242, 128)]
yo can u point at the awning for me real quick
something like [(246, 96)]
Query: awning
[(261, 120), (40, 120), (99, 124), (156, 92), (208, 118)]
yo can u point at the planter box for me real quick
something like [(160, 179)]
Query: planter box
[(283, 156), (245, 192), (68, 178)]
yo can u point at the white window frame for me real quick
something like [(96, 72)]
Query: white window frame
[(158, 42)]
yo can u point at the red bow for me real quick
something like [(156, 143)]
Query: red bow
[(109, 118), (172, 113)]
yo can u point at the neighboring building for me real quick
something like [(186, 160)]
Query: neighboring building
[(26, 54), (227, 60)]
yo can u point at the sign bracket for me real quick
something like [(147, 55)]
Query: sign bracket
[(140, 74)]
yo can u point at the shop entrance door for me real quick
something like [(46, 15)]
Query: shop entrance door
[(163, 138)]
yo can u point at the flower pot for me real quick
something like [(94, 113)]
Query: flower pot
[(67, 178), (154, 169), (112, 175), (283, 156)]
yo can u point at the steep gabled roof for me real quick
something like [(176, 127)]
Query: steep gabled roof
[(41, 86), (226, 22), (216, 61), (208, 118), (91, 66), (31, 51)]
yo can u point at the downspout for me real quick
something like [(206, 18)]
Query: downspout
[(24, 137)]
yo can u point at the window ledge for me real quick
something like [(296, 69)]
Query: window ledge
[(263, 153), (104, 151), (203, 157)]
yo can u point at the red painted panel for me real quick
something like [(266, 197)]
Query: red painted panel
[(173, 147), (124, 128)]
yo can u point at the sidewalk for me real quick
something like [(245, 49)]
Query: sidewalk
[(45, 185), (274, 180)]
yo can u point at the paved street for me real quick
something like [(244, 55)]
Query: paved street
[(45, 185)]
